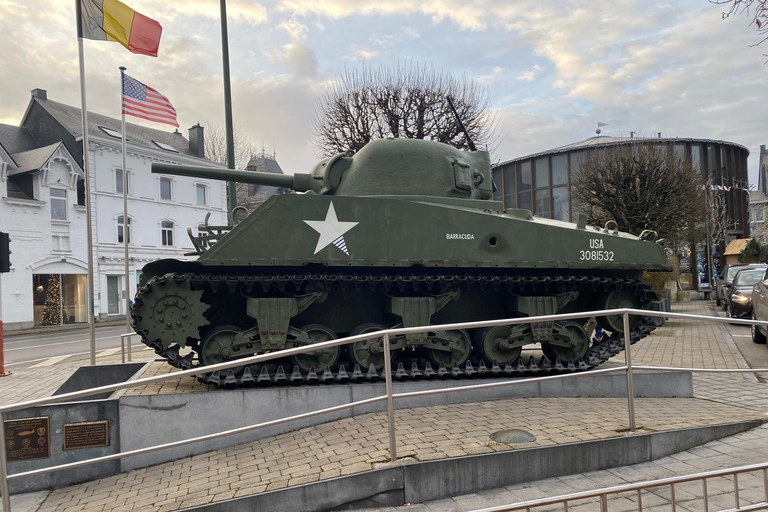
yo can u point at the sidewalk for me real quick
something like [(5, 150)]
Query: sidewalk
[(359, 444)]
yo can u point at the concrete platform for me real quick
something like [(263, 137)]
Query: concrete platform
[(154, 415)]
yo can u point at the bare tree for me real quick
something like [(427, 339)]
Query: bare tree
[(756, 9), (216, 145), (405, 101), (641, 186)]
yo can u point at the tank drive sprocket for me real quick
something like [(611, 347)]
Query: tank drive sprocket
[(169, 313)]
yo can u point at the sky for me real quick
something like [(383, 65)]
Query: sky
[(552, 68)]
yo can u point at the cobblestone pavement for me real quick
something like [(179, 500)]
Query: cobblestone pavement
[(353, 445)]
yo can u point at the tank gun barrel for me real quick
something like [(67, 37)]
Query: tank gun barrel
[(298, 182)]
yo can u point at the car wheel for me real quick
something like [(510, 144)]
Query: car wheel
[(757, 336)]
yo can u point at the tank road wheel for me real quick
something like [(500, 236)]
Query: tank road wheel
[(319, 359), (492, 344), (618, 300), (577, 349), (367, 352), (461, 346), (217, 345)]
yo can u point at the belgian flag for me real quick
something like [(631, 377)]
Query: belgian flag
[(111, 20)]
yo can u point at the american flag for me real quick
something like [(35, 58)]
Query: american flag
[(143, 101)]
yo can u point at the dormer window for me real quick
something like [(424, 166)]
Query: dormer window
[(112, 133), (166, 147), (58, 204)]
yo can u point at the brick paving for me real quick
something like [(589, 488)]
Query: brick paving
[(354, 445)]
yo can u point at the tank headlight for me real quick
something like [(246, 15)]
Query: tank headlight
[(741, 299)]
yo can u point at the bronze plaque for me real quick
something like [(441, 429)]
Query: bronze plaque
[(27, 439), (92, 434)]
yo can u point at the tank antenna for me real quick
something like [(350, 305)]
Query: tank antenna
[(470, 144)]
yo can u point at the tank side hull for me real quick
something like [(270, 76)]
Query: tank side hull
[(297, 230)]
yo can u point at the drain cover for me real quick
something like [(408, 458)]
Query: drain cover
[(513, 435)]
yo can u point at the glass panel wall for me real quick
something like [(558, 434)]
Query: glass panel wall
[(510, 190), (559, 170), (524, 185), (696, 157), (542, 173), (541, 206), (560, 203)]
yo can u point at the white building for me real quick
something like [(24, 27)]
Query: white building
[(160, 208)]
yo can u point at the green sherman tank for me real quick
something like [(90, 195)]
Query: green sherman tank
[(402, 233)]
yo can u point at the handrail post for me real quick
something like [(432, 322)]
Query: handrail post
[(122, 349), (390, 400), (130, 341), (4, 469), (628, 360)]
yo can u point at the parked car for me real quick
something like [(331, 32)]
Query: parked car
[(760, 310), (726, 278), (738, 296)]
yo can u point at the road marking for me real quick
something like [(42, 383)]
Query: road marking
[(51, 361), (141, 348), (60, 343), (27, 339), (741, 335), (108, 352)]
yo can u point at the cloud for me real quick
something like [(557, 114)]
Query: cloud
[(360, 53), (490, 78), (296, 29), (411, 32), (529, 75), (238, 11)]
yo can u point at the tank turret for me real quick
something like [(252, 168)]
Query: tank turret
[(399, 167)]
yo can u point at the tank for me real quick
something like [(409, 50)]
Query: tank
[(403, 233)]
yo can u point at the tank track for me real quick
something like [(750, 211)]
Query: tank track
[(599, 351)]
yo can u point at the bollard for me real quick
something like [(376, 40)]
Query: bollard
[(3, 373), (390, 400), (628, 362)]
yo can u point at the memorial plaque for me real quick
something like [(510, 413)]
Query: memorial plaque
[(28, 439), (92, 434)]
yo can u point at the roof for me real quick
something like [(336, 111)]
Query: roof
[(33, 159), (756, 196), (15, 139), (735, 247), (264, 163), (71, 119), (604, 141)]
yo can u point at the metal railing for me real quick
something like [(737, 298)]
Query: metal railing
[(389, 396), (123, 337), (603, 494)]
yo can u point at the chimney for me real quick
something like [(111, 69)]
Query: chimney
[(762, 149), (197, 141), (40, 94)]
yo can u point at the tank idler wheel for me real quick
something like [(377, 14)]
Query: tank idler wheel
[(577, 349), (461, 346), (368, 352), (618, 300), (492, 344), (319, 359)]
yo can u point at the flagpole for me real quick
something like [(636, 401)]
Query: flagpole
[(126, 223), (86, 170), (231, 186)]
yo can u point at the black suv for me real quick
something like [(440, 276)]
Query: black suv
[(724, 280)]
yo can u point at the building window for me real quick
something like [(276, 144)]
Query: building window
[(166, 229), (120, 229), (560, 203), (200, 194), (60, 242), (58, 204), (119, 181), (559, 171), (165, 189), (759, 214)]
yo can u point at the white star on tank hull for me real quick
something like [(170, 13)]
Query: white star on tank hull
[(331, 231)]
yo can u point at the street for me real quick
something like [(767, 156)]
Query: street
[(756, 355), (45, 348)]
